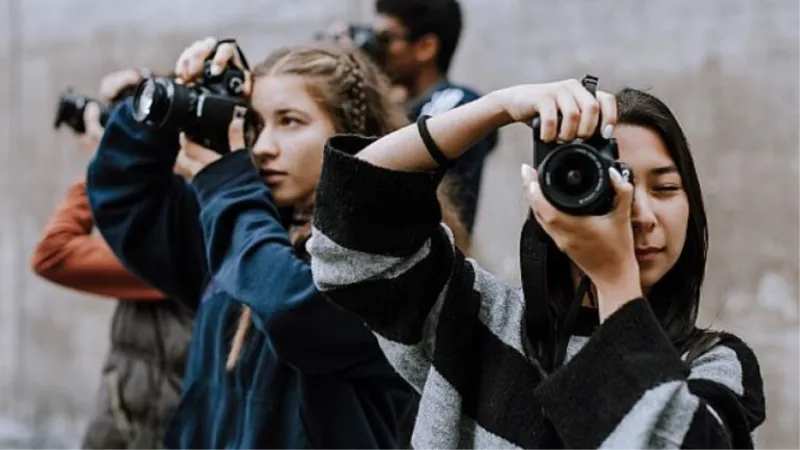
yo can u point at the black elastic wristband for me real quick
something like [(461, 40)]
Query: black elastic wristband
[(433, 149)]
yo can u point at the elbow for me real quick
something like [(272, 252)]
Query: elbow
[(42, 263)]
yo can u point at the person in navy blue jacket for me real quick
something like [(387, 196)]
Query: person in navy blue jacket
[(271, 363)]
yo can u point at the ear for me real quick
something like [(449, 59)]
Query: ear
[(426, 48)]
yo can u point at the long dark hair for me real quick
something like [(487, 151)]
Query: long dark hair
[(675, 297)]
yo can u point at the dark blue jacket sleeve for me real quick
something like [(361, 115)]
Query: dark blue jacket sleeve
[(146, 213), (252, 259)]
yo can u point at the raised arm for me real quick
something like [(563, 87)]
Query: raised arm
[(252, 259), (379, 250), (69, 255), (146, 213)]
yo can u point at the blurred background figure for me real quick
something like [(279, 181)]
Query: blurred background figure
[(415, 41), (141, 377)]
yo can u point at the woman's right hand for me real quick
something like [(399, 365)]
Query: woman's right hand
[(189, 66), (581, 111)]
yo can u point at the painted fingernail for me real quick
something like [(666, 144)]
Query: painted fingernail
[(527, 173), (615, 175), (533, 187), (215, 70), (608, 130)]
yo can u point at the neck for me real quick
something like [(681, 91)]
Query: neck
[(587, 300), (426, 78)]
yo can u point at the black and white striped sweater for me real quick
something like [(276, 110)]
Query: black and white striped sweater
[(454, 332)]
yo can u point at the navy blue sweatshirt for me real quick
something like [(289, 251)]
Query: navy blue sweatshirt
[(310, 375)]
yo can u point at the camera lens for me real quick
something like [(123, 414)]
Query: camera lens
[(575, 175), (574, 179), (146, 96), (155, 99)]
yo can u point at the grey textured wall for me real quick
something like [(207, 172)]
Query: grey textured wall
[(729, 68)]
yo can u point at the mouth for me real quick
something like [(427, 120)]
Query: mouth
[(271, 176), (644, 254)]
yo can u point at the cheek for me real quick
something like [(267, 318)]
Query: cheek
[(306, 154), (675, 220)]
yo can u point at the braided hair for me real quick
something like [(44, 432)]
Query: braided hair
[(355, 94)]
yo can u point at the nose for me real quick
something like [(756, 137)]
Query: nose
[(266, 146), (642, 215)]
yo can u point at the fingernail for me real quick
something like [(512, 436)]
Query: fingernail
[(527, 173), (215, 70), (615, 175), (533, 187), (608, 130)]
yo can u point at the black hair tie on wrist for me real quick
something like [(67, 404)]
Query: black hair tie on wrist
[(430, 145)]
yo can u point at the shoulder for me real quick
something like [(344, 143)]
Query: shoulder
[(728, 361), (717, 343), (447, 98)]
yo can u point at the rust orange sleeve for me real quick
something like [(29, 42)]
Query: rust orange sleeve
[(69, 254)]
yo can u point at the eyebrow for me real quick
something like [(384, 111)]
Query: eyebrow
[(283, 111), (664, 170)]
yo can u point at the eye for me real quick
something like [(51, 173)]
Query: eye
[(666, 189), (289, 121)]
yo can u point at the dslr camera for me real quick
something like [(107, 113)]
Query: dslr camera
[(71, 106), (574, 176), (202, 111), (365, 38)]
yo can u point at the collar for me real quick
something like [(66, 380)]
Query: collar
[(415, 104)]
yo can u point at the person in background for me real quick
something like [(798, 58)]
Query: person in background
[(419, 39), (272, 363), (143, 371)]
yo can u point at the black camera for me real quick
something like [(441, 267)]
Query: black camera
[(365, 38), (71, 106), (202, 111), (574, 176)]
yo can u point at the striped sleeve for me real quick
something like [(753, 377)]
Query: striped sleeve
[(629, 388), (378, 250), (450, 328)]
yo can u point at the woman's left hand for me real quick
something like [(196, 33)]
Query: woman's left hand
[(193, 157), (601, 246)]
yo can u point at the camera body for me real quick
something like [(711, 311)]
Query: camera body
[(365, 38), (202, 111), (72, 105), (574, 176)]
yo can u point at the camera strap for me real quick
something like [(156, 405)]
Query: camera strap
[(540, 318), (239, 51), (533, 264)]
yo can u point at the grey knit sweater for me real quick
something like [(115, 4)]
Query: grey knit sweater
[(455, 333)]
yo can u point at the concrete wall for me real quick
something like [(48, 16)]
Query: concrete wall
[(729, 68)]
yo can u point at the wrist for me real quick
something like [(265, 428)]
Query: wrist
[(615, 292), (499, 113)]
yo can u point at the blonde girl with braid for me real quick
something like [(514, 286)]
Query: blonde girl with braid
[(272, 364)]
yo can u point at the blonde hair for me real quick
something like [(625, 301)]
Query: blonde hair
[(355, 94)]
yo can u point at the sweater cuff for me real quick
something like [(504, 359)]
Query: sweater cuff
[(627, 355), (232, 169), (372, 209)]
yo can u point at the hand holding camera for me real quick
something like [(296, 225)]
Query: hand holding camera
[(87, 116), (363, 37), (218, 71), (211, 86), (577, 192), (207, 59)]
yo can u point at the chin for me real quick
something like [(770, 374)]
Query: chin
[(648, 278)]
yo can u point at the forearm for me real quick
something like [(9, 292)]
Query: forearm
[(146, 214), (454, 132)]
